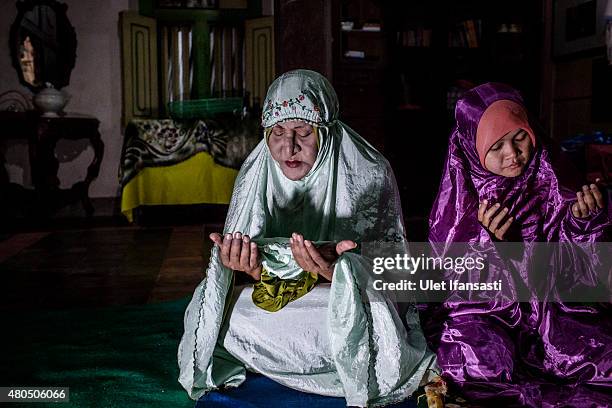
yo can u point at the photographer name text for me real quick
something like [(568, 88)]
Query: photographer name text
[(431, 285)]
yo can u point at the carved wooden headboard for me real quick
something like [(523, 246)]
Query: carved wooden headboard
[(194, 55)]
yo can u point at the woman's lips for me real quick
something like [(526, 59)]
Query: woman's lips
[(292, 163)]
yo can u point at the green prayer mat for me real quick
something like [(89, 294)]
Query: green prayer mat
[(111, 357)]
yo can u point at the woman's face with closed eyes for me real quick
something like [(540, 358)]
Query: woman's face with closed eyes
[(509, 156), (293, 144)]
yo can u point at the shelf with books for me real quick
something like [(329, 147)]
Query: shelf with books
[(424, 57), (415, 37), (362, 31), (362, 61), (472, 41), (357, 44), (465, 34)]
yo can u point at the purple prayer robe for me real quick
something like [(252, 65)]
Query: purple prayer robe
[(516, 354)]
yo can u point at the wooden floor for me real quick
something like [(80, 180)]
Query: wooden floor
[(96, 262), (101, 266)]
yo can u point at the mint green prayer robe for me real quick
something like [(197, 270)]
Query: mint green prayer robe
[(365, 351)]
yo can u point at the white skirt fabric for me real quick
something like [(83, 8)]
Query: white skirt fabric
[(289, 345), (344, 339)]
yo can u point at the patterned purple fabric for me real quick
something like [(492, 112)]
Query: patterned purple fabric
[(516, 354)]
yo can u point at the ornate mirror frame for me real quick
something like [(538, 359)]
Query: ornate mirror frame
[(65, 46)]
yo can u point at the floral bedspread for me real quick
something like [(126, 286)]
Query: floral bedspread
[(163, 142)]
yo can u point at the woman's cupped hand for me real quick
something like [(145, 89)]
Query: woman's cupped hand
[(589, 201), (494, 219), (239, 253), (318, 259)]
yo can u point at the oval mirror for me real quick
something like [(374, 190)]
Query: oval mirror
[(43, 44)]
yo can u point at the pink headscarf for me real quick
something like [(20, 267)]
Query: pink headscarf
[(499, 118)]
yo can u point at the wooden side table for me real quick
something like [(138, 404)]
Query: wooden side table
[(42, 134)]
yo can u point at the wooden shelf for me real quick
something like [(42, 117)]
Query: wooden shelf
[(362, 31)]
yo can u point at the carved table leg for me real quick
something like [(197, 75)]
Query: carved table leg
[(92, 170), (44, 166)]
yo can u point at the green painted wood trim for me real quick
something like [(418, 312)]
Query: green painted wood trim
[(201, 59), (201, 20), (146, 7), (185, 15), (254, 8)]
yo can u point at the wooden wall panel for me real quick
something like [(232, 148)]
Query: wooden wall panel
[(260, 72), (139, 66)]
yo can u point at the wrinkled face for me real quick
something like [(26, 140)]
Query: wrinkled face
[(510, 155), (293, 144)]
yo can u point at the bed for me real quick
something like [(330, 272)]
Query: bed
[(182, 162)]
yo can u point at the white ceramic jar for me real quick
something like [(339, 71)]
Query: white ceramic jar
[(50, 101)]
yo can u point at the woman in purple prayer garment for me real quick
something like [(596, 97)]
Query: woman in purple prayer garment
[(498, 184)]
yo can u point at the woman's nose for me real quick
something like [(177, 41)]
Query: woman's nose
[(511, 152), (294, 145), (296, 148)]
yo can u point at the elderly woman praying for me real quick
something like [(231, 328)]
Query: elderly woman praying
[(307, 195)]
